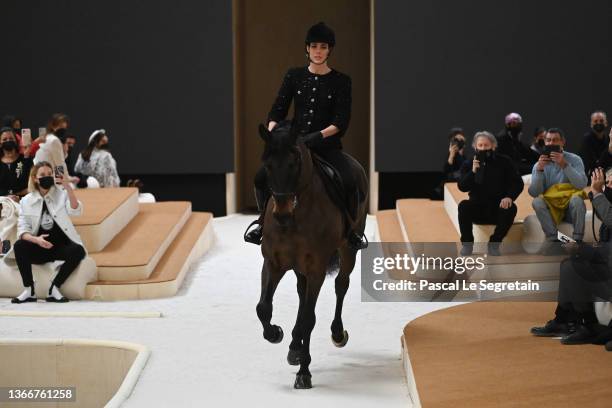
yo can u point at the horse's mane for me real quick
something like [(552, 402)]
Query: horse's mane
[(282, 139)]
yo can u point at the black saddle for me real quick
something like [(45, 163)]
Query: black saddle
[(333, 183)]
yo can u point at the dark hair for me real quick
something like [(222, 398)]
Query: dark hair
[(70, 136), (12, 132), (538, 130), (55, 120), (455, 131), (8, 120), (86, 153), (557, 130)]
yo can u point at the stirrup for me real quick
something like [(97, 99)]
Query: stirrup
[(357, 240), (256, 235)]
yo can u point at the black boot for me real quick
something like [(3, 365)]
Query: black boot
[(356, 239), (255, 236)]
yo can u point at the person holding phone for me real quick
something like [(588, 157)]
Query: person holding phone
[(557, 183), (493, 183), (15, 168), (585, 277), (45, 232)]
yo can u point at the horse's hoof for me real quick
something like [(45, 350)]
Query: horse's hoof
[(293, 357), (342, 342), (278, 337), (302, 382)]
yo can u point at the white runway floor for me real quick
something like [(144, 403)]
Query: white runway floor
[(208, 349)]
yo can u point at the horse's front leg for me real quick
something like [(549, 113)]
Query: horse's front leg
[(295, 348), (307, 320), (270, 277)]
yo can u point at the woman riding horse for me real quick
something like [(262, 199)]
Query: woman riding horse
[(322, 113)]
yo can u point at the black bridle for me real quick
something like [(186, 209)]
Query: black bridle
[(296, 193)]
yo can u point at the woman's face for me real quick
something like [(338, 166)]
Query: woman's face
[(43, 172), (62, 125), (103, 141), (483, 143), (318, 52), (6, 136), (16, 124)]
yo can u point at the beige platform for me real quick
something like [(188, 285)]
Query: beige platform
[(134, 253), (106, 212), (11, 283), (482, 355), (102, 373), (194, 239)]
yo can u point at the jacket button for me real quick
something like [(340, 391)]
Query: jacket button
[(299, 92), (314, 89), (312, 100)]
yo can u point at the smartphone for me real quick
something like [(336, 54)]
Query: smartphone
[(59, 171), (42, 132), (548, 149), (564, 238), (26, 137)]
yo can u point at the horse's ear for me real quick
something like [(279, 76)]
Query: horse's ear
[(264, 133)]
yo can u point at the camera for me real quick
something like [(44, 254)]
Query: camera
[(459, 143), (548, 149)]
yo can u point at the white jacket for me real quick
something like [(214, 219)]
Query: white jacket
[(51, 151), (59, 208)]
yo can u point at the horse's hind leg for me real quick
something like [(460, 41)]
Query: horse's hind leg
[(270, 277), (295, 348), (347, 263), (314, 281)]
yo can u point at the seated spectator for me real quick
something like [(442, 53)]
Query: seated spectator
[(13, 122), (605, 159), (539, 136), (511, 145), (45, 232), (97, 161), (15, 169), (594, 142), (493, 184), (57, 121), (557, 183), (453, 162), (456, 155), (585, 277)]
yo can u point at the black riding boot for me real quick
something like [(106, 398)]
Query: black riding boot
[(256, 235), (356, 239)]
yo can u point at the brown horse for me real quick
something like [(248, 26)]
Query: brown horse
[(303, 231)]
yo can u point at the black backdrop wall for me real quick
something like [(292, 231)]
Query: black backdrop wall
[(444, 63), (157, 75)]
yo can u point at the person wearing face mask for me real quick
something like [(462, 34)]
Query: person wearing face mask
[(15, 168), (595, 142), (451, 169), (13, 122), (45, 232), (537, 146), (511, 144), (585, 277), (493, 184), (557, 183), (97, 161)]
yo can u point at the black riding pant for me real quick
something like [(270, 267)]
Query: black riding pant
[(580, 284), (28, 253), (475, 212)]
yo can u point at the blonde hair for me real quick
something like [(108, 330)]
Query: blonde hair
[(32, 183)]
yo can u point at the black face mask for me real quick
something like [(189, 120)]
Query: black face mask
[(515, 131), (9, 145), (61, 134), (46, 182), (540, 143), (104, 147), (17, 130), (484, 155), (599, 127), (608, 193)]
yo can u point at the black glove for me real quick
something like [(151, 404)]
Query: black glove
[(312, 139)]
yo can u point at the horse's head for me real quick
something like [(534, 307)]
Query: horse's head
[(282, 161)]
